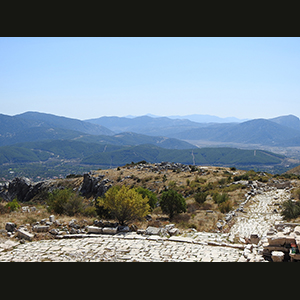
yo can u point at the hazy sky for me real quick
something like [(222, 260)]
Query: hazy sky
[(92, 77)]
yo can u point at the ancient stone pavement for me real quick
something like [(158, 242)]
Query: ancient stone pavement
[(121, 247), (133, 247)]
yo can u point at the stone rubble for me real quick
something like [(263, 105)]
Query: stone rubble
[(284, 239), (257, 234)]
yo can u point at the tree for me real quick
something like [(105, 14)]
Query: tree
[(172, 203), (152, 199), (125, 204)]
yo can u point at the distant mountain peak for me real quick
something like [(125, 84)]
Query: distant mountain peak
[(290, 121)]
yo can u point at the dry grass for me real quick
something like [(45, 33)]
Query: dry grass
[(185, 182)]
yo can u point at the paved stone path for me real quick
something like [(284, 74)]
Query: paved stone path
[(128, 247), (260, 214), (132, 247)]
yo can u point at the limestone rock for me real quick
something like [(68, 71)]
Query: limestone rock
[(254, 238), (277, 240), (23, 234), (94, 186), (174, 231), (110, 230), (297, 230), (277, 256), (40, 228), (152, 230)]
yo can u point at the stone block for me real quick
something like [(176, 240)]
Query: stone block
[(297, 230), (52, 218), (23, 234), (254, 238), (152, 230), (40, 228), (9, 226), (278, 240), (277, 256), (123, 228), (298, 242), (169, 226), (94, 229), (110, 230), (289, 240), (173, 231)]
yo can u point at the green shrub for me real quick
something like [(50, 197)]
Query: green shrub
[(152, 199), (291, 209), (66, 202), (225, 207), (200, 197), (220, 198), (13, 205), (172, 203), (90, 211), (125, 204)]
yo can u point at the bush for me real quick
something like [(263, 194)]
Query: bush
[(172, 203), (65, 201), (296, 193), (13, 205), (225, 207), (125, 204), (220, 198), (200, 197), (291, 209), (152, 199)]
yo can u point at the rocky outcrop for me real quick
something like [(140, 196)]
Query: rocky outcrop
[(22, 189), (94, 186)]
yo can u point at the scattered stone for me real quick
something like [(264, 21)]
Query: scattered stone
[(110, 230), (254, 238), (219, 226), (123, 228), (23, 234), (40, 228), (277, 256), (174, 231), (297, 230), (52, 218), (10, 227), (152, 230), (94, 229), (54, 231)]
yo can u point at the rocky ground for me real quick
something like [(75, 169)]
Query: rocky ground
[(253, 222), (250, 232)]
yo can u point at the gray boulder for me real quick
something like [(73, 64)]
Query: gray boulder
[(10, 227), (152, 230)]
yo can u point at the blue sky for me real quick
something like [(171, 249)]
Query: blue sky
[(92, 77)]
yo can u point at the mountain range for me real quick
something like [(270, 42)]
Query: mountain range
[(40, 141), (269, 132)]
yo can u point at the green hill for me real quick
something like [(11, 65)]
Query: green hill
[(204, 156)]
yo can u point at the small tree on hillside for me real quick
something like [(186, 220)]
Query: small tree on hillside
[(125, 204), (172, 203), (152, 199)]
